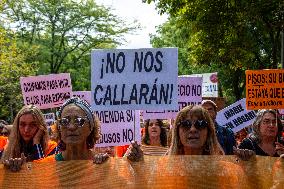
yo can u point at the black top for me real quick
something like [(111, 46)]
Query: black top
[(250, 144)]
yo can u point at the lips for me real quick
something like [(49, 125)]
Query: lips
[(193, 137), (72, 135)]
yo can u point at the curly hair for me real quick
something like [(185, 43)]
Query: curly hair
[(15, 144), (255, 135), (94, 121), (163, 134), (212, 147)]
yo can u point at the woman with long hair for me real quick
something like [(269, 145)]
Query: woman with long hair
[(265, 139), (155, 133), (193, 133), (155, 138), (28, 140)]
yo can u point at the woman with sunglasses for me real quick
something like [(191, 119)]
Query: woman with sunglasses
[(193, 133), (28, 140), (78, 132)]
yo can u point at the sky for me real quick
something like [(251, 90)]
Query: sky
[(145, 14)]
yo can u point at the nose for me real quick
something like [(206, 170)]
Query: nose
[(72, 126), (193, 129), (27, 129)]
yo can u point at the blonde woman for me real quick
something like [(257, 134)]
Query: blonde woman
[(193, 133), (29, 139)]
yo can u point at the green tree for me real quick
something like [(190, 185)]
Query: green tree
[(66, 31), (228, 36), (13, 65)]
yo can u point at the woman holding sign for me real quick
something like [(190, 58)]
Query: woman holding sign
[(28, 140), (265, 139)]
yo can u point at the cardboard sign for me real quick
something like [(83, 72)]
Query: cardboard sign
[(189, 93), (46, 91), (209, 85), (265, 89), (85, 95), (49, 119), (235, 116), (117, 127), (141, 79)]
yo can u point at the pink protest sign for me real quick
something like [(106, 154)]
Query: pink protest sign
[(86, 95), (189, 93), (117, 127), (46, 91)]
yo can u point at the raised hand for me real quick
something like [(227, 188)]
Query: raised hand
[(244, 154), (100, 158), (134, 152), (15, 164)]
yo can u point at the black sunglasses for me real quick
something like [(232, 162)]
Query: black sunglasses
[(198, 124), (78, 121)]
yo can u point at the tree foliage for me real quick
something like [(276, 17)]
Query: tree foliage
[(65, 32), (227, 36), (13, 65)]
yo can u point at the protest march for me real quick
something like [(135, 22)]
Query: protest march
[(201, 107)]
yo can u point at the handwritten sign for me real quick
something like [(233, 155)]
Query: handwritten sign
[(86, 95), (236, 116), (140, 79), (189, 93), (117, 127), (265, 89), (46, 91)]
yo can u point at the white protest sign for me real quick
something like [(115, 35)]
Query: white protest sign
[(85, 95), (209, 85), (189, 93), (117, 127), (46, 91), (236, 116), (49, 119), (134, 79)]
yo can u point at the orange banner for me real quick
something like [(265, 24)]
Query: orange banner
[(264, 89), (153, 172)]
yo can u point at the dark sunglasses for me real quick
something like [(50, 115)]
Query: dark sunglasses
[(78, 121), (199, 124)]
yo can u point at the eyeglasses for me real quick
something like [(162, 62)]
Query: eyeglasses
[(198, 124), (269, 122), (77, 121)]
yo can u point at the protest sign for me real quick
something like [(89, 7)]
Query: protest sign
[(189, 93), (182, 172), (117, 127), (209, 84), (219, 101), (236, 116), (86, 95), (265, 89), (46, 91), (141, 79), (49, 119)]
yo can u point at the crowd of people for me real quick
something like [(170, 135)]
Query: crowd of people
[(76, 130)]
